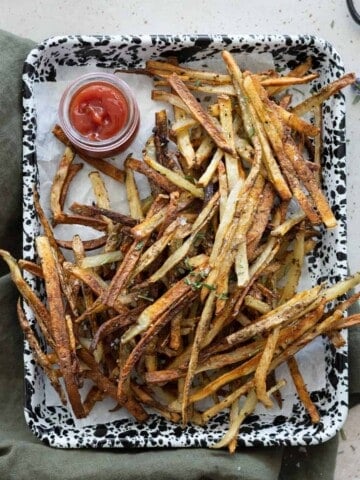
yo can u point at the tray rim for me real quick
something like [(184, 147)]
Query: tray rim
[(324, 44)]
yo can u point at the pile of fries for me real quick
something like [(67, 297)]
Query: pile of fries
[(193, 295)]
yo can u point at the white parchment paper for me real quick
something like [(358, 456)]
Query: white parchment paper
[(47, 96)]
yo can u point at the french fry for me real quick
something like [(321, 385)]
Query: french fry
[(233, 165), (261, 371), (58, 328), (133, 195), (173, 177), (200, 114), (58, 183), (153, 175), (74, 168), (326, 92), (302, 390), (183, 140)]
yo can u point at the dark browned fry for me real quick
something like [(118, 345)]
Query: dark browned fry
[(39, 355), (40, 311), (96, 223), (31, 267), (88, 244), (115, 323), (94, 395), (106, 386), (200, 114), (72, 172), (58, 328), (156, 177), (94, 211)]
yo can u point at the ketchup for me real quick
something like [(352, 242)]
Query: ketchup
[(98, 111), (99, 114)]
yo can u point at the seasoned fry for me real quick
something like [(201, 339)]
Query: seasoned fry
[(173, 177), (58, 183), (58, 328), (134, 202), (262, 369), (200, 114), (326, 92), (234, 170), (94, 211), (302, 390), (74, 168), (153, 175)]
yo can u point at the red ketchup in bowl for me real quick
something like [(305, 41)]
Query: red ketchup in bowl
[(99, 114)]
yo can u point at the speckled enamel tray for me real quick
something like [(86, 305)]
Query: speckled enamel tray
[(56, 58)]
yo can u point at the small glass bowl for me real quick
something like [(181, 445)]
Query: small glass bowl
[(100, 148)]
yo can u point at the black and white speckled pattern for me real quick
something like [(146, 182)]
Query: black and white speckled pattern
[(54, 425)]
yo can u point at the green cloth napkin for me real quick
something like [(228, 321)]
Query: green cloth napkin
[(22, 456)]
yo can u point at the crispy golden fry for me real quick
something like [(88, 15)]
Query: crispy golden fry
[(288, 81), (326, 92), (207, 76), (295, 122), (311, 183), (183, 140), (302, 390), (204, 217), (201, 330), (176, 179), (204, 150), (262, 369), (47, 227), (299, 71), (234, 168), (152, 322), (278, 316), (273, 131), (133, 195), (174, 100)]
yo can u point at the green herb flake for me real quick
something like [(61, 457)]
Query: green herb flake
[(190, 178), (139, 246), (209, 287), (222, 296)]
